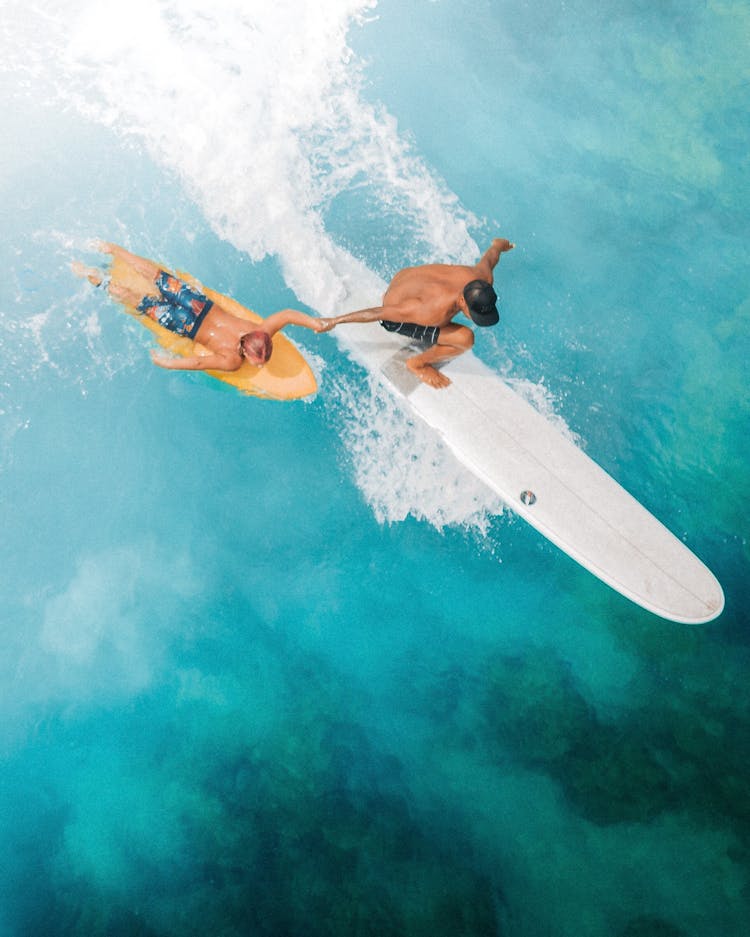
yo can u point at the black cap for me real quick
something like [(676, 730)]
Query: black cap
[(481, 300)]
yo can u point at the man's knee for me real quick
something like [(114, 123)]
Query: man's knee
[(460, 337)]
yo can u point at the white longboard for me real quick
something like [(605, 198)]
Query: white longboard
[(548, 480)]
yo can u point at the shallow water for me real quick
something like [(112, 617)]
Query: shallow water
[(289, 669)]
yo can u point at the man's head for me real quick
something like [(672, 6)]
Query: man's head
[(481, 301), (256, 346)]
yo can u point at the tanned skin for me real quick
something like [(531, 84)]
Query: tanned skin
[(432, 295), (220, 332)]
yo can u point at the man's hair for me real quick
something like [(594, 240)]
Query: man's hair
[(257, 344)]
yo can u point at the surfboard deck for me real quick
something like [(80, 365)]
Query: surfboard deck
[(285, 376), (549, 481)]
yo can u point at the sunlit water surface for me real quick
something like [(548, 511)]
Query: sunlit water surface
[(287, 669)]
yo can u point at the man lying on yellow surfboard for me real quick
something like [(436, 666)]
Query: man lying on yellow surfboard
[(184, 310)]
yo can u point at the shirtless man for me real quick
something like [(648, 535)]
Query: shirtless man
[(420, 303), (182, 309)]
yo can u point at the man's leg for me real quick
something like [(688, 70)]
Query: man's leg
[(147, 268), (124, 294), (118, 292), (453, 340)]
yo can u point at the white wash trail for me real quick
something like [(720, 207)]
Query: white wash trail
[(258, 110)]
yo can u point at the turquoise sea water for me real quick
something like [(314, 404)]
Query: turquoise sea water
[(287, 669)]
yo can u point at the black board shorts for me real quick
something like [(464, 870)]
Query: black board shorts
[(421, 333)]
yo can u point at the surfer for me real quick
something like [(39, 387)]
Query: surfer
[(421, 302), (186, 311)]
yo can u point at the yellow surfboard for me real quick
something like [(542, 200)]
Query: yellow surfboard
[(285, 376)]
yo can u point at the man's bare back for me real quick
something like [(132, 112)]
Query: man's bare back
[(431, 296), (429, 292)]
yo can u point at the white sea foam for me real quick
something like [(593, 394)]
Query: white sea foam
[(259, 110), (402, 467)]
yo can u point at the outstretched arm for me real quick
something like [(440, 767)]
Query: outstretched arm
[(405, 311), (490, 258), (280, 320), (374, 314), (197, 362)]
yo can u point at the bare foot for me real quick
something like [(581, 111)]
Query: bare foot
[(94, 276), (428, 375)]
